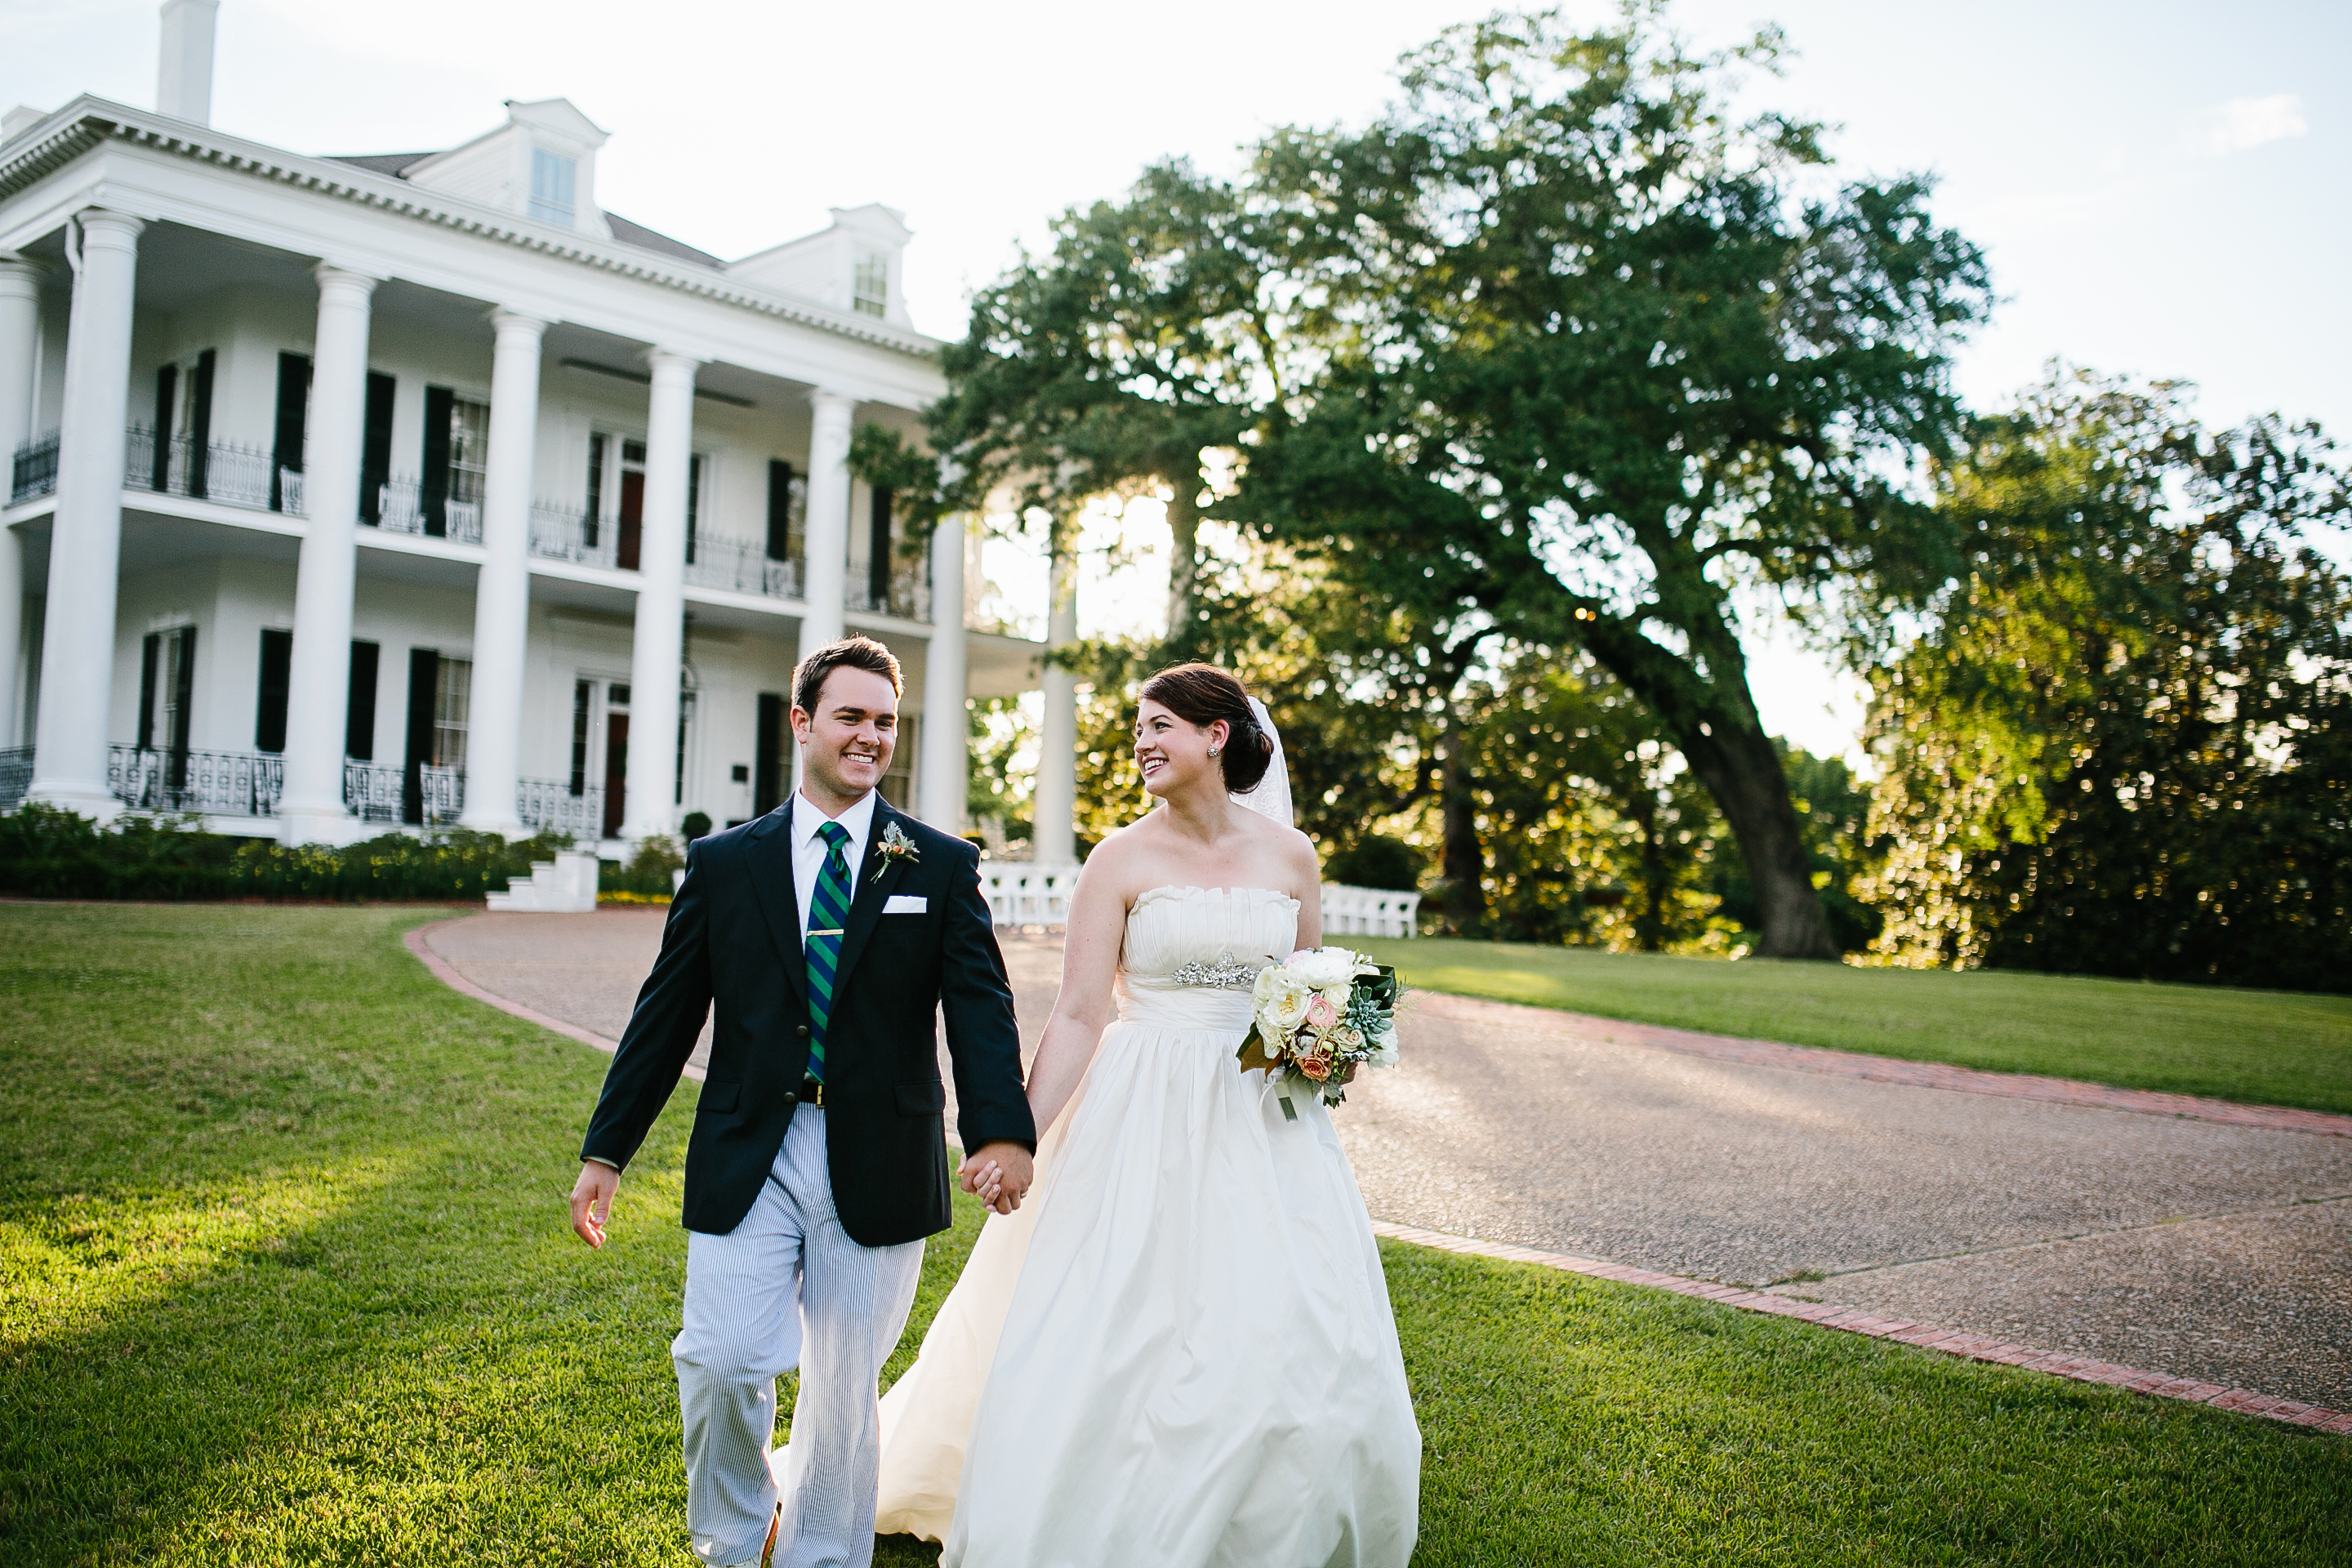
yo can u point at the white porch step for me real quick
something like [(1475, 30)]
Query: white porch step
[(565, 885)]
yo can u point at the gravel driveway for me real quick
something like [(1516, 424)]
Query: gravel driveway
[(2217, 1252)]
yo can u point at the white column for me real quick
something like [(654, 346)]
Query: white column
[(660, 643), (941, 765), (20, 326), (826, 576), (502, 593), (1056, 802), (85, 532), (311, 809)]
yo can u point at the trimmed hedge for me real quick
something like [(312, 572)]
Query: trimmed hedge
[(48, 853)]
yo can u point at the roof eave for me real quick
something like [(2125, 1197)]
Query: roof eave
[(89, 123)]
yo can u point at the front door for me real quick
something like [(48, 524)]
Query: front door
[(616, 771)]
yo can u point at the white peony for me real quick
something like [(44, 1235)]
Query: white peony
[(1281, 1000), (1325, 968)]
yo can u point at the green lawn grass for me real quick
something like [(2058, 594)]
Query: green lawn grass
[(285, 1278), (2271, 1047)]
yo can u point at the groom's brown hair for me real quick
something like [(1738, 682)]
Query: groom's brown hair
[(858, 653)]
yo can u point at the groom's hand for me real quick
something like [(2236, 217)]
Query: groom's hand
[(592, 1200), (999, 1175)]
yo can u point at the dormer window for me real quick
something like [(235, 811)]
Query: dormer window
[(870, 283), (555, 180)]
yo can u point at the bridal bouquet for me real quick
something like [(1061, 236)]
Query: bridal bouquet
[(1322, 1013)]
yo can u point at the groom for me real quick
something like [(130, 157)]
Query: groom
[(827, 933)]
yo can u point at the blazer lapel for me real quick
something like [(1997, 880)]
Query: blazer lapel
[(875, 879), (771, 879)]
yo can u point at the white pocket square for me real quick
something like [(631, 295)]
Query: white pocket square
[(906, 904)]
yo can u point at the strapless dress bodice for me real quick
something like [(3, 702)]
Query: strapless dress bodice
[(1191, 954)]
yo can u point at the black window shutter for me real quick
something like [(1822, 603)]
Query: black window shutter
[(293, 420), (693, 504), (167, 405), (768, 766), (424, 675), (149, 649), (200, 424), (877, 564), (183, 689), (440, 405), (276, 678), (359, 710), (375, 449), (780, 510)]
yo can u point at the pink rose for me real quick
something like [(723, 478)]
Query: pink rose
[(1317, 1067), (1320, 1013)]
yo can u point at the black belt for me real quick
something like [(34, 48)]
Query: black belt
[(812, 1093)]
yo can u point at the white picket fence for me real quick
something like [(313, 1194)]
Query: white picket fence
[(1025, 895), (1368, 911)]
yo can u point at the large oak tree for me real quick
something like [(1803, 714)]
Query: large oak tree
[(1559, 349)]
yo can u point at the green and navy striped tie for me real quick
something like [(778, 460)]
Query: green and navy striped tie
[(828, 913)]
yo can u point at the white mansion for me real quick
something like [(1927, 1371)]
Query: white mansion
[(354, 492)]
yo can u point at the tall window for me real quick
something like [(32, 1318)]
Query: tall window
[(870, 282), (554, 179), (787, 509), (167, 673), (470, 450), (592, 525), (584, 699), (453, 692)]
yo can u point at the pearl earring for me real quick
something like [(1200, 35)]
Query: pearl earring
[(1215, 750)]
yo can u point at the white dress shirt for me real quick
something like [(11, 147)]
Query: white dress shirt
[(809, 851)]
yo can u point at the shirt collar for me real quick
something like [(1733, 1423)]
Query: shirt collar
[(807, 819)]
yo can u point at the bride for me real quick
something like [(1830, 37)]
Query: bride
[(1180, 1350)]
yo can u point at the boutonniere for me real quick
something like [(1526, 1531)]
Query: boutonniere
[(896, 846)]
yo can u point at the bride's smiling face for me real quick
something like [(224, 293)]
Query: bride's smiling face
[(1173, 752)]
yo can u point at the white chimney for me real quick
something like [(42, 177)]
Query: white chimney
[(183, 72)]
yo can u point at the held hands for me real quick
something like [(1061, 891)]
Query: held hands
[(592, 1200), (998, 1174)]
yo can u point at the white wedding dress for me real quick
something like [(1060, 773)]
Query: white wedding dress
[(1180, 1350)]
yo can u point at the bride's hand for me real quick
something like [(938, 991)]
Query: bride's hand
[(998, 1174)]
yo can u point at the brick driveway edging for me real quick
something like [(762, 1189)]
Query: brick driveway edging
[(1894, 1070), (1846, 1319), (446, 973)]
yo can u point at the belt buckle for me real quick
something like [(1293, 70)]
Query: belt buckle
[(813, 1092)]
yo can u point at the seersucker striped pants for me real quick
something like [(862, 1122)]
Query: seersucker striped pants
[(788, 1288)]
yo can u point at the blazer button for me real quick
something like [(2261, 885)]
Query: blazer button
[(803, 1031), (790, 1098)]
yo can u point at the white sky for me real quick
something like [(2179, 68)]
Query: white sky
[(2158, 183)]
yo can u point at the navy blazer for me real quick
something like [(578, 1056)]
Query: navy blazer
[(733, 939)]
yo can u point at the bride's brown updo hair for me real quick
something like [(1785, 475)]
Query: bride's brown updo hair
[(1201, 694)]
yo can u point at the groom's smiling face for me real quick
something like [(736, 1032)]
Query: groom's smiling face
[(845, 745)]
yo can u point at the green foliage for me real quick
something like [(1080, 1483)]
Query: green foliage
[(695, 826), (651, 871), (285, 1278), (1833, 810), (2125, 746), (998, 781), (48, 853), (1376, 860), (1557, 348)]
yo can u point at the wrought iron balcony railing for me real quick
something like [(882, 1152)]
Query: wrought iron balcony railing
[(210, 471), (568, 533), (403, 507), (421, 795), (552, 806), (742, 565), (34, 471), (15, 776), (907, 597), (216, 783)]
